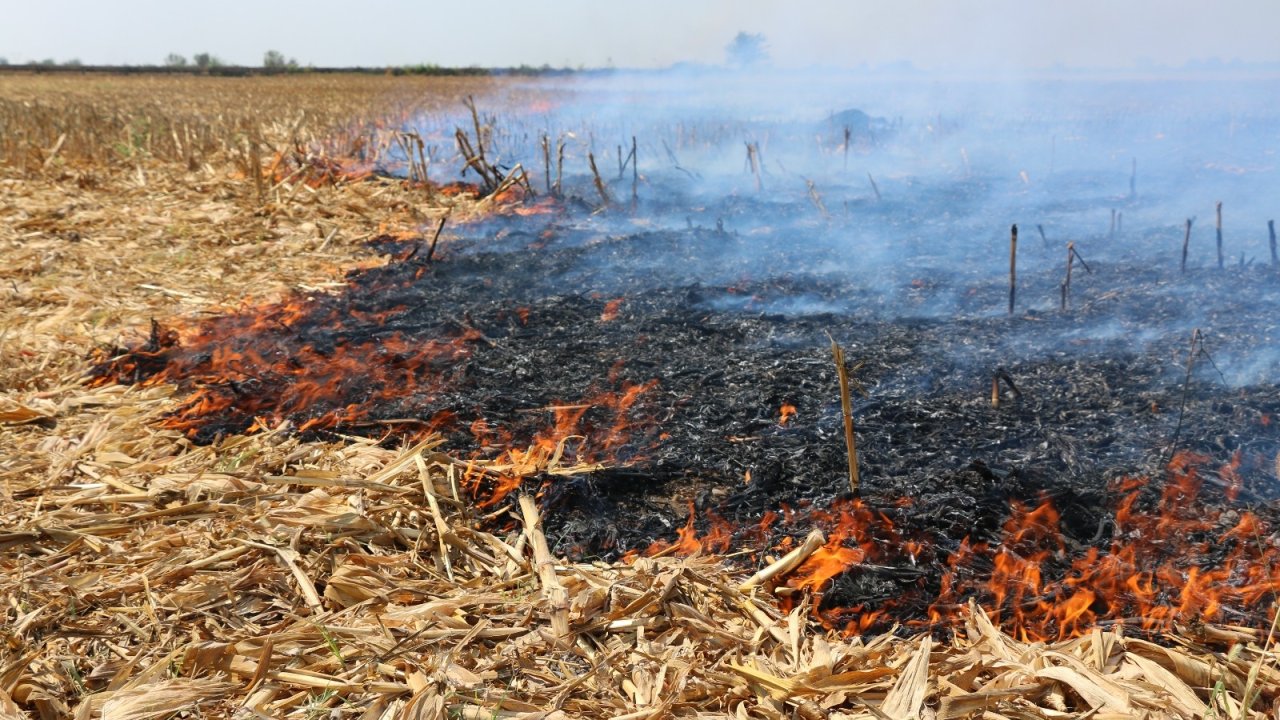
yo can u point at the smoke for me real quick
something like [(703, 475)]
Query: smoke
[(889, 195)]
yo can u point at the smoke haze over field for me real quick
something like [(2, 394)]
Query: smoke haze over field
[(930, 34), (916, 214)]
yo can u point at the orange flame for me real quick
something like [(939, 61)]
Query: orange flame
[(543, 206), (1146, 577), (611, 309), (787, 412), (718, 538), (849, 543)]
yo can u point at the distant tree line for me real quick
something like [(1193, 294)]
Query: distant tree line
[(201, 61), (273, 62)]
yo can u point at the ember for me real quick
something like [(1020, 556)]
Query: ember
[(787, 412)]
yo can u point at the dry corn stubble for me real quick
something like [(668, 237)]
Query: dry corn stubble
[(144, 577)]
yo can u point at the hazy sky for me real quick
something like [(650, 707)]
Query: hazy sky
[(933, 34)]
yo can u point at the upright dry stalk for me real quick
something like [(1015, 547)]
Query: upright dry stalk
[(846, 406), (404, 148), (1066, 284), (559, 166), (255, 167), (1112, 233), (422, 160), (475, 159), (1002, 374), (1219, 229), (1133, 180), (1013, 267), (1197, 346), (600, 188), (470, 102), (753, 160), (431, 251), (546, 159), (635, 174), (816, 198), (1186, 243), (1271, 230)]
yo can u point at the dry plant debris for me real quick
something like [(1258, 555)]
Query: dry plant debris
[(143, 577)]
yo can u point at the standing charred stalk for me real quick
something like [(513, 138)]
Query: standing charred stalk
[(874, 187), (1133, 180), (1013, 267), (1043, 239), (1112, 233), (409, 143), (997, 376), (848, 135), (753, 160), (559, 167), (635, 174), (1218, 226), (816, 198), (422, 159), (1271, 230), (1197, 343), (600, 188), (475, 160), (1008, 381), (404, 148), (470, 103), (546, 160), (474, 156), (431, 251), (1066, 284), (1186, 243)]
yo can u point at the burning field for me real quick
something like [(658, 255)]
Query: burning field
[(555, 425)]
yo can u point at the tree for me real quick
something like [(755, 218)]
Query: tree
[(204, 61), (274, 60), (174, 60), (747, 50)]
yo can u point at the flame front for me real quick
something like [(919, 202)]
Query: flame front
[(1175, 564)]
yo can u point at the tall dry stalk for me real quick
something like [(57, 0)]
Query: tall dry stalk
[(846, 407)]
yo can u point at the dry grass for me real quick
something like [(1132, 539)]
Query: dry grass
[(52, 121), (143, 577)]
